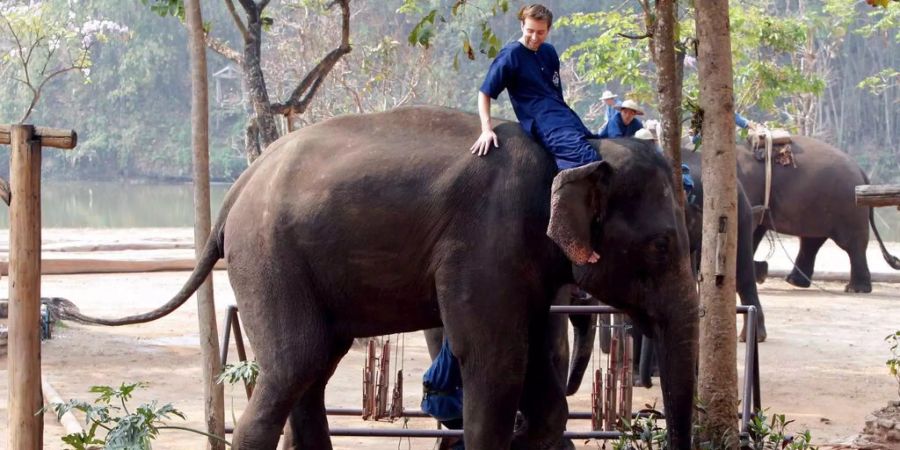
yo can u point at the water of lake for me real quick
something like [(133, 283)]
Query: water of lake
[(103, 204), (106, 204)]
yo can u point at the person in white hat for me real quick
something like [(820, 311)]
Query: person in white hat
[(624, 122), (686, 179), (609, 106)]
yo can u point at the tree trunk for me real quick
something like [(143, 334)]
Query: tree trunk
[(259, 96), (213, 393), (668, 85), (717, 390)]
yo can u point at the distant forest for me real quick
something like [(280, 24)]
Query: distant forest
[(833, 66)]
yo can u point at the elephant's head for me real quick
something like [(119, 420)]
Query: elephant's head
[(625, 209)]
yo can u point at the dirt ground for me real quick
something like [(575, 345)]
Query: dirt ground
[(823, 365)]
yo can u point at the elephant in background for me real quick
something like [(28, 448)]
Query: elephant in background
[(382, 223), (814, 201)]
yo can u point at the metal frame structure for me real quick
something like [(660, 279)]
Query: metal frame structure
[(751, 385)]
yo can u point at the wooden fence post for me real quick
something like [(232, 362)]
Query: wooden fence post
[(24, 356), (25, 399)]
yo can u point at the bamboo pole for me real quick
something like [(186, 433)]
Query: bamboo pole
[(26, 425), (68, 420), (878, 195)]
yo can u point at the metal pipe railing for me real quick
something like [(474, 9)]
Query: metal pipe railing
[(751, 386)]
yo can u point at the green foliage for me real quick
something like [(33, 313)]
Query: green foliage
[(166, 7), (610, 55), (641, 433), (893, 364), (459, 19), (764, 51), (244, 371), (772, 434), (883, 20), (644, 433), (109, 413), (881, 82)]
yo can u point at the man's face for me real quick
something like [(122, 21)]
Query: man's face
[(609, 101), (534, 33), (627, 115)]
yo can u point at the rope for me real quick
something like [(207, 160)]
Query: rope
[(774, 236)]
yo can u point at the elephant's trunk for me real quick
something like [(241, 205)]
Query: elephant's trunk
[(585, 330), (676, 349)]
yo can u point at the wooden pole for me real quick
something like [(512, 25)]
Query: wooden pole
[(213, 393), (26, 425), (878, 195), (717, 380), (47, 137)]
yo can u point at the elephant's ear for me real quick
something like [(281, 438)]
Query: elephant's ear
[(578, 195)]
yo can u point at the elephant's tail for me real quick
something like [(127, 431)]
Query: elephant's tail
[(211, 254), (892, 260)]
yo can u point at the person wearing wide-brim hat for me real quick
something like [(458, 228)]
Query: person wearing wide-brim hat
[(609, 106), (624, 122)]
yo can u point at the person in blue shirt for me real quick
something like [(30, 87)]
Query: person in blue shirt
[(609, 106), (443, 393), (739, 120), (624, 122), (528, 69)]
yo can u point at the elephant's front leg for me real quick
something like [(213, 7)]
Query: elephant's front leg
[(485, 320), (543, 401)]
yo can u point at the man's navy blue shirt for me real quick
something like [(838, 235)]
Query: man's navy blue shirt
[(535, 90), (616, 127)]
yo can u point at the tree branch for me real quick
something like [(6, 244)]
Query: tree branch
[(237, 20), (221, 47), (311, 82), (636, 37)]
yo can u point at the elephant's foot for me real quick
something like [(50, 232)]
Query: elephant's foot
[(636, 381), (797, 279), (452, 443), (761, 334), (859, 287), (761, 269)]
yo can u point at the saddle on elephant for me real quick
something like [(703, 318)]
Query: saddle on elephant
[(774, 145)]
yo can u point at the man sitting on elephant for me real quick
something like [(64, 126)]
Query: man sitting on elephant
[(529, 70)]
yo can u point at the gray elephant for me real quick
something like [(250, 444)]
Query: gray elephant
[(815, 201), (376, 224), (745, 279)]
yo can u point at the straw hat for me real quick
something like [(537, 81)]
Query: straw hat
[(632, 105), (644, 134), (607, 95)]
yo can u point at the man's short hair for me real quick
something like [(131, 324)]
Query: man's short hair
[(536, 11)]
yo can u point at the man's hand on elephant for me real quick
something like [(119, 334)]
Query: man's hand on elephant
[(482, 146)]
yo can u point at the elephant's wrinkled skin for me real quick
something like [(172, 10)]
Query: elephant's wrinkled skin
[(815, 201), (377, 224)]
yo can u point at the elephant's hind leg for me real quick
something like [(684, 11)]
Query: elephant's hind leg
[(308, 420), (860, 277), (295, 363), (805, 264)]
